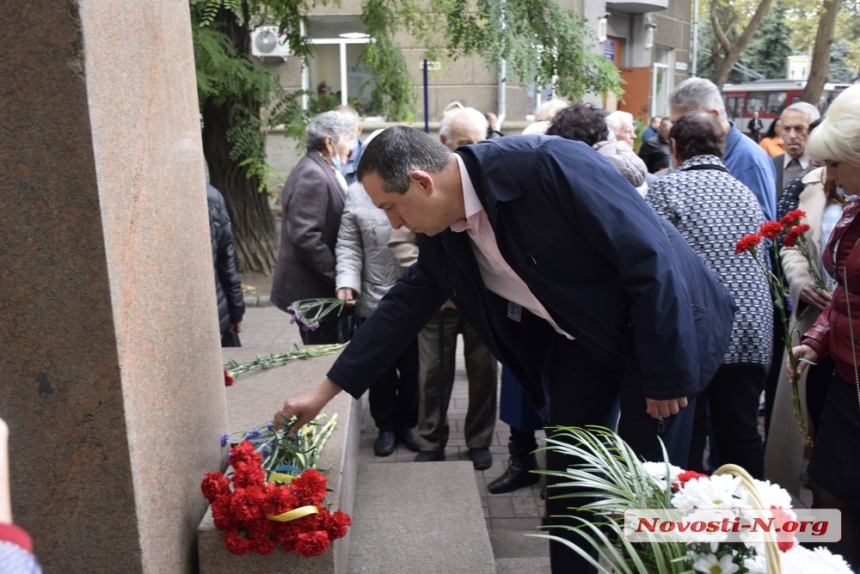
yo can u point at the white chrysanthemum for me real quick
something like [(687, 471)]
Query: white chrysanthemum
[(802, 560), (723, 491), (773, 494), (710, 564), (756, 564), (657, 470)]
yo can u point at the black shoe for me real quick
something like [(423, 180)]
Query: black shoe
[(409, 438), (384, 443), (481, 458), (517, 476), (429, 456)]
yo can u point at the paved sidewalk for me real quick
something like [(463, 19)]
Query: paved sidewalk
[(518, 511)]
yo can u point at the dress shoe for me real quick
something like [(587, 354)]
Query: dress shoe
[(518, 474), (409, 438), (384, 443), (481, 458), (429, 456)]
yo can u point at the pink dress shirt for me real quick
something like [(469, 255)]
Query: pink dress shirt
[(497, 274)]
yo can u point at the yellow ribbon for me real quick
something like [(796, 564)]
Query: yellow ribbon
[(281, 477), (294, 514)]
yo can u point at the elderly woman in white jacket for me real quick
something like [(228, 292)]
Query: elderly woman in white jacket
[(366, 270), (618, 149), (784, 450)]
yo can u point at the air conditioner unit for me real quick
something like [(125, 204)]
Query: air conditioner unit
[(265, 43)]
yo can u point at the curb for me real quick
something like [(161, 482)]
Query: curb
[(257, 301)]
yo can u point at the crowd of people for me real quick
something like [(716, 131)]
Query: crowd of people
[(605, 280)]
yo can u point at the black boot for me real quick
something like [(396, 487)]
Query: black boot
[(518, 474)]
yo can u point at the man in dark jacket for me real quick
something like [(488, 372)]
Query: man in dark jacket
[(228, 285), (563, 272), (656, 152)]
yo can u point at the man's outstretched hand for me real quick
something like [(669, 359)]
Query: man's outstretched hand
[(665, 409), (307, 406)]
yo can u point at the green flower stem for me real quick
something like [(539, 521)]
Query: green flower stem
[(276, 360), (780, 292)]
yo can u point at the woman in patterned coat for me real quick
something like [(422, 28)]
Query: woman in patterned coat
[(712, 210)]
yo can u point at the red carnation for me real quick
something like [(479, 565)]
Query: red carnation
[(214, 485), (784, 539), (246, 475), (309, 487), (792, 217), (794, 234), (236, 542), (279, 499), (260, 536), (770, 230), (335, 524), (687, 476), (312, 543), (747, 243), (244, 452), (246, 503), (228, 379), (221, 514)]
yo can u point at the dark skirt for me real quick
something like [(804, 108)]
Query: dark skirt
[(835, 463)]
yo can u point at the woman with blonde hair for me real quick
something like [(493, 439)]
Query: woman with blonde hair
[(834, 470)]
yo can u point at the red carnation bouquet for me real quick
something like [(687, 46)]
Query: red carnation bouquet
[(793, 234), (257, 515)]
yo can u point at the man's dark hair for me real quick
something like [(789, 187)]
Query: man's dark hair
[(698, 133), (579, 123), (396, 152)]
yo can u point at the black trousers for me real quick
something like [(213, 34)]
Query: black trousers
[(583, 391), (394, 396), (733, 399)]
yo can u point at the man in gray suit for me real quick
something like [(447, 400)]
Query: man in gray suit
[(795, 121), (312, 205)]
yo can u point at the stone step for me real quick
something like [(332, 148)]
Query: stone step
[(515, 543), (418, 518), (253, 400), (534, 565)]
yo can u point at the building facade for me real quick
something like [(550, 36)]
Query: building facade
[(647, 40)]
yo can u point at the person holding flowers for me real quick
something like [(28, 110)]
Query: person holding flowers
[(809, 290), (834, 469), (712, 209)]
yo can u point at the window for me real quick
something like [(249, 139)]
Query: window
[(661, 81), (776, 102), (735, 106), (755, 103), (334, 75)]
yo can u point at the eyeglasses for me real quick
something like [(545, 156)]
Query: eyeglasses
[(800, 130)]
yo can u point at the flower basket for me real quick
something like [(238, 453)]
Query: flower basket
[(642, 517), (774, 565)]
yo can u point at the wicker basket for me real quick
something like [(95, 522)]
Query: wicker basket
[(773, 560)]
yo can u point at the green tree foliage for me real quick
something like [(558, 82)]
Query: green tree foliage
[(840, 69), (241, 99), (769, 49)]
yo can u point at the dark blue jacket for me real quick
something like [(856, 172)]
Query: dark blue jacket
[(228, 285), (609, 271)]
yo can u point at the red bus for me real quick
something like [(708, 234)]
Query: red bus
[(769, 98)]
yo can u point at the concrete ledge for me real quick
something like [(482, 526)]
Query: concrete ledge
[(419, 518), (252, 400)]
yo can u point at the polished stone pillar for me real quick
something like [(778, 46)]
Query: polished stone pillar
[(110, 375)]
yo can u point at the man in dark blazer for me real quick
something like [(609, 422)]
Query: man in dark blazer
[(655, 152), (312, 205), (564, 273)]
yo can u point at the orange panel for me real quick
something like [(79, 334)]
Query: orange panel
[(637, 90)]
